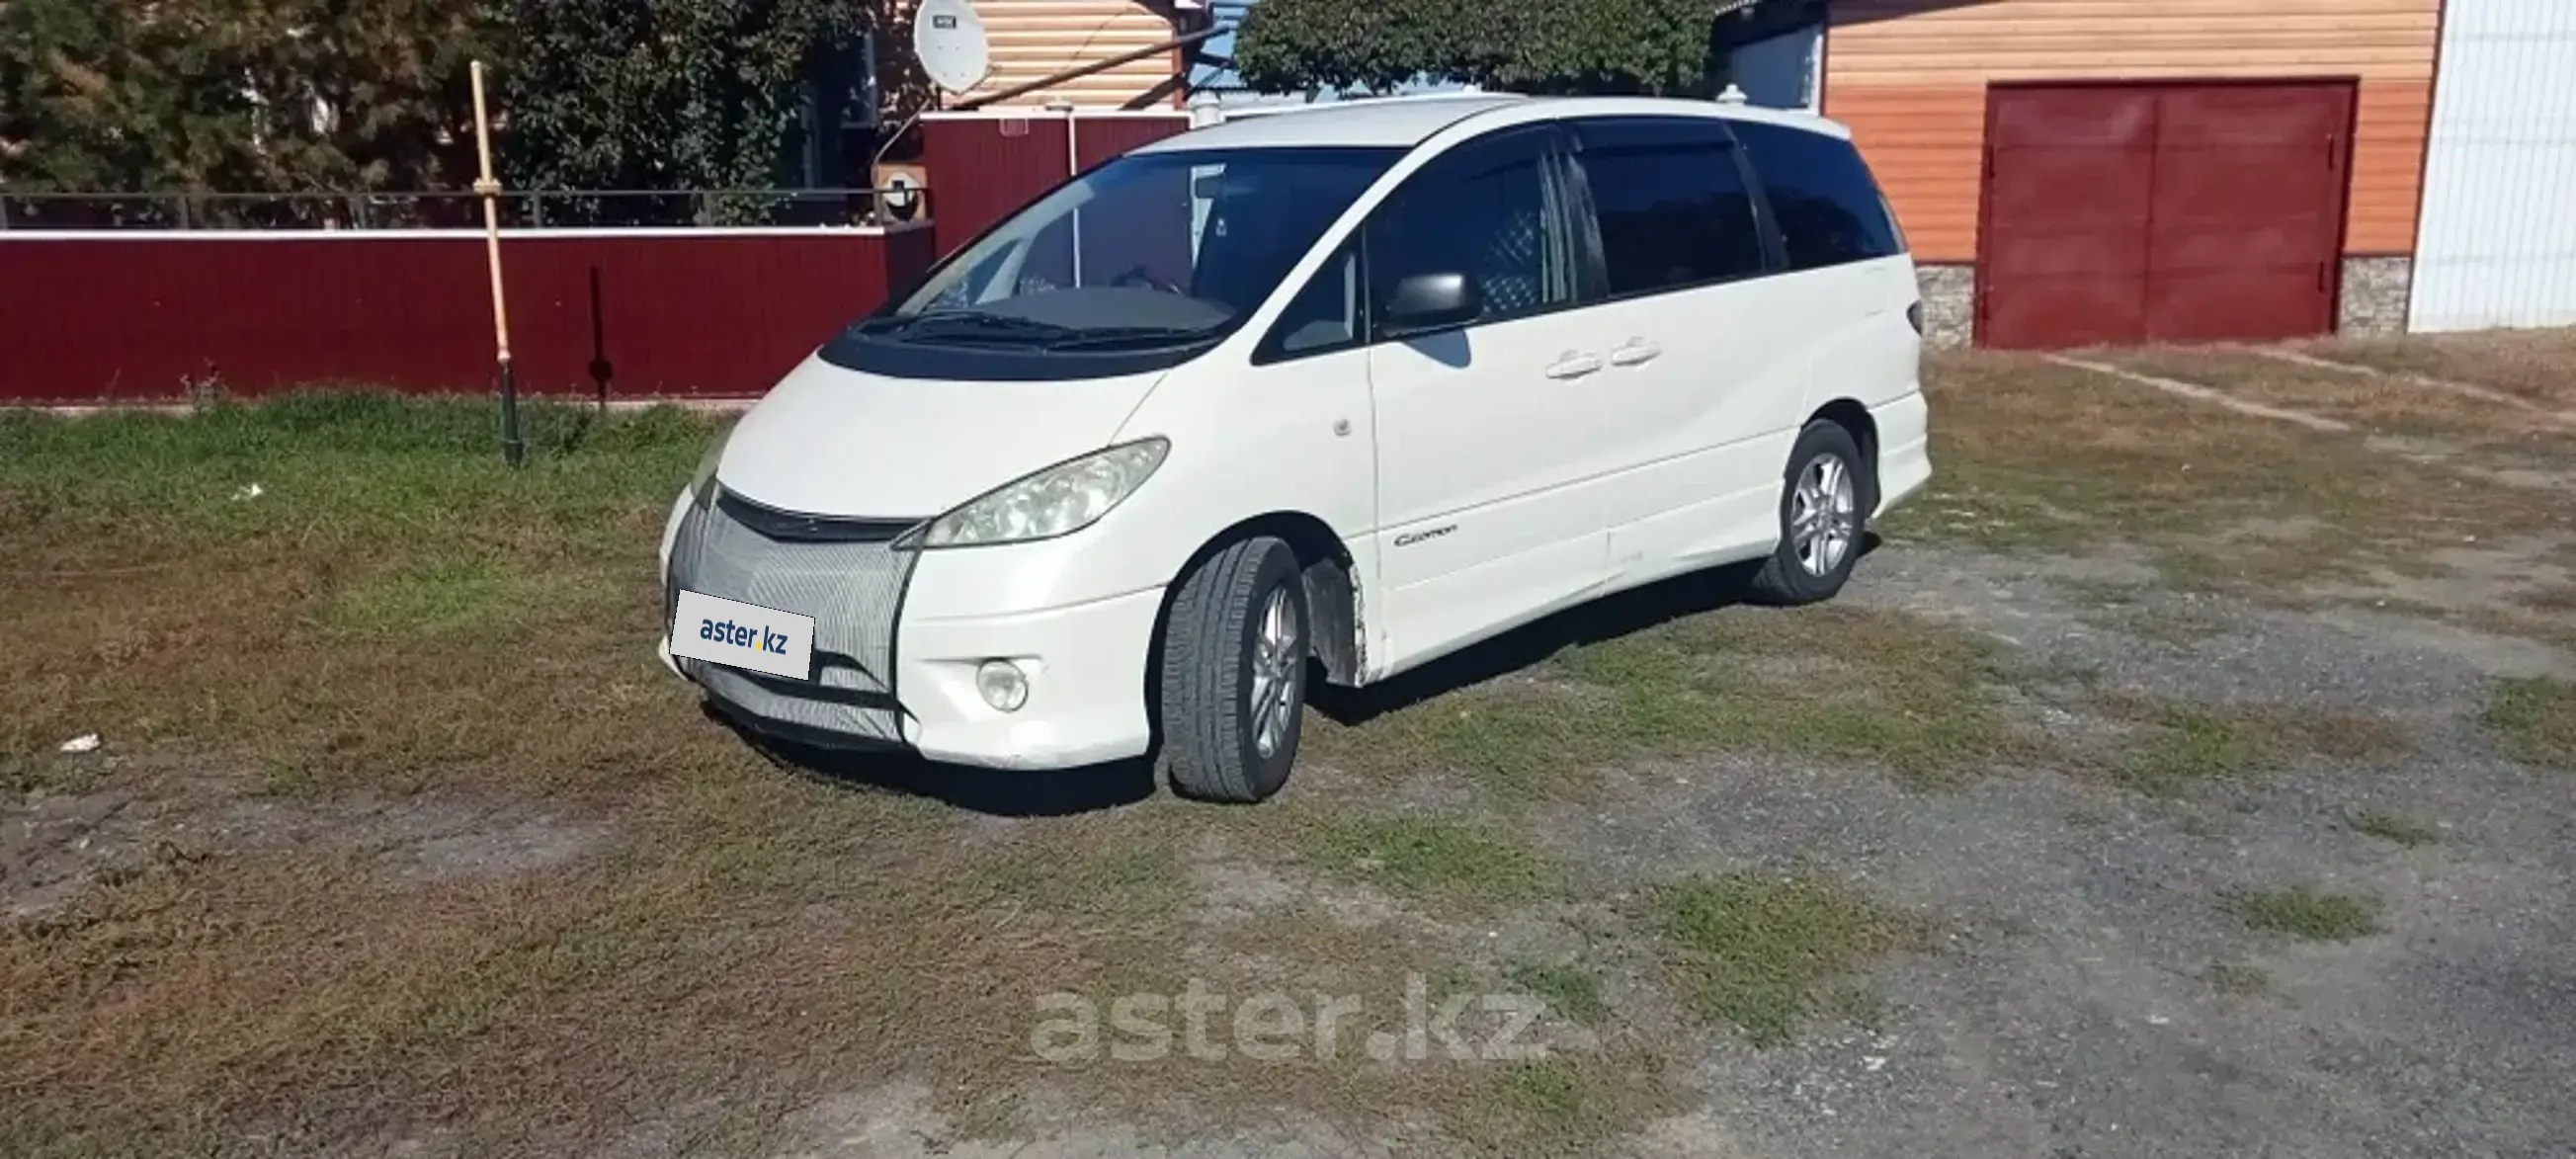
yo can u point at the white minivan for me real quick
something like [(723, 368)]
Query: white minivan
[(1333, 391)]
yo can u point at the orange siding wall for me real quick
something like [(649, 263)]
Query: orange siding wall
[(1910, 76), (1032, 38)]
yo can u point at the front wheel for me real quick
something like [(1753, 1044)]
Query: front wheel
[(1822, 518), (1233, 678)]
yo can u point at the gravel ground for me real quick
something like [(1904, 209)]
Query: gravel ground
[(2070, 1006), (2087, 989)]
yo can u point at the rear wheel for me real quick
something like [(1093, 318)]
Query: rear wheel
[(1233, 678), (1823, 518)]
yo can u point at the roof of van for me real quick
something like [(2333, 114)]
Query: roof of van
[(1403, 122)]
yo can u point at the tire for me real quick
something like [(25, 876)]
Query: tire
[(1810, 568), (1222, 647)]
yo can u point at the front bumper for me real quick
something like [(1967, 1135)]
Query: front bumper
[(894, 670), (1086, 675)]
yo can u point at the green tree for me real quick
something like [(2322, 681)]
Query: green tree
[(1551, 46), (358, 95), (235, 95), (676, 94)]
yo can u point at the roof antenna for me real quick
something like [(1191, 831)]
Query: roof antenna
[(1732, 96)]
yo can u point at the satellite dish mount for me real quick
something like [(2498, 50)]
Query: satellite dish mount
[(948, 40)]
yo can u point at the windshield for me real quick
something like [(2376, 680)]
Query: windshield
[(1150, 246)]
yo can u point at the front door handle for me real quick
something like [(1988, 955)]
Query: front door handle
[(1572, 365), (1636, 353)]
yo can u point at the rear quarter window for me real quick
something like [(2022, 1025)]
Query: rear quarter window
[(1828, 207), (1670, 205)]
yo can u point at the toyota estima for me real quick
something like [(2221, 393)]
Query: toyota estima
[(1321, 394)]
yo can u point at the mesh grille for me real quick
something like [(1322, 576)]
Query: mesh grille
[(1514, 267), (761, 698), (853, 590)]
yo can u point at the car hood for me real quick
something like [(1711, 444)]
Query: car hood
[(833, 441)]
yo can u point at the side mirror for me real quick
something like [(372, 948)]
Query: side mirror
[(1430, 301)]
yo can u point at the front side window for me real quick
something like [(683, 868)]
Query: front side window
[(1488, 210), (1829, 209), (1151, 247), (1327, 314), (1671, 202)]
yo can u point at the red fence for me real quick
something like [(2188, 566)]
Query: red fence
[(100, 317), (982, 165), (637, 313)]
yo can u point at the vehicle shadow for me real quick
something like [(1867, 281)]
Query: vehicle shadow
[(1066, 792), (994, 792), (1604, 619), (1608, 618)]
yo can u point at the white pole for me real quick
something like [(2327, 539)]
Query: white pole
[(1072, 165)]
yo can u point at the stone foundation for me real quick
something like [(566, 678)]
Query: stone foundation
[(2374, 296), (1949, 304), (2374, 299)]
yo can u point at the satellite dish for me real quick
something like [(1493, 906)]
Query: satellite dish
[(948, 38)]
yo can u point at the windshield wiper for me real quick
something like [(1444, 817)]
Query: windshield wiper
[(968, 325), (1111, 337)]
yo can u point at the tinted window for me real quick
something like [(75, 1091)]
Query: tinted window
[(1672, 204), (1828, 208), (1485, 210)]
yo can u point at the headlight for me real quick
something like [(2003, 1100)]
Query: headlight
[(702, 489), (1060, 500)]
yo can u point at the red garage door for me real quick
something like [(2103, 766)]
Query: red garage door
[(2164, 213)]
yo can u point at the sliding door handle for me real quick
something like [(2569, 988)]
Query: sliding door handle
[(1572, 365), (1636, 354)]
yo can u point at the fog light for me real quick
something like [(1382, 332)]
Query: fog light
[(1004, 686)]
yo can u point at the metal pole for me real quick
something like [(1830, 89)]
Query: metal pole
[(514, 449)]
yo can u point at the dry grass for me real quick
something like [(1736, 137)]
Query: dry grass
[(2381, 404), (2034, 455), (2180, 746), (2532, 364), (393, 605), (2394, 828), (396, 617), (303, 990), (1839, 683), (1451, 862)]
